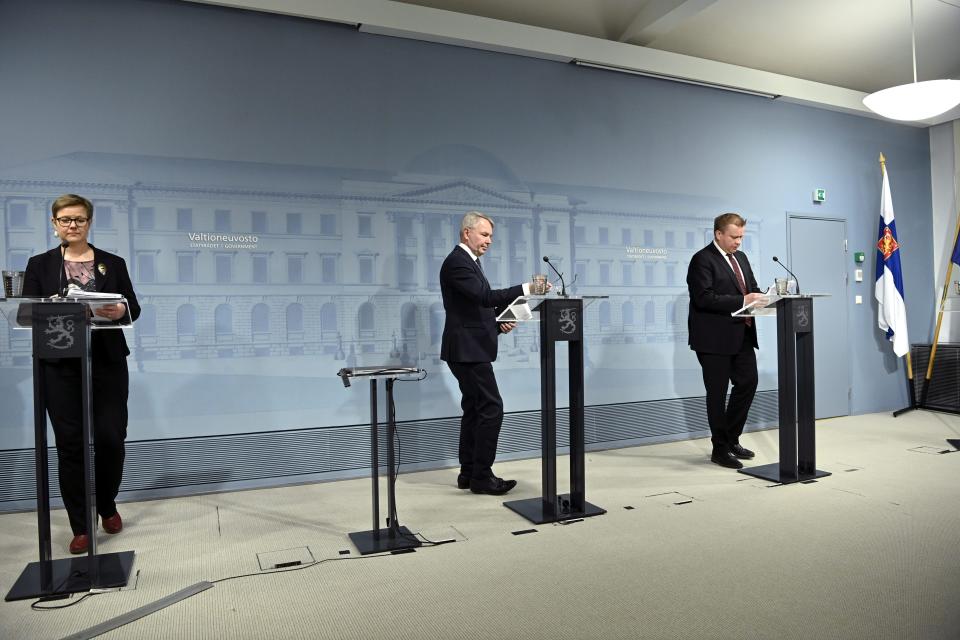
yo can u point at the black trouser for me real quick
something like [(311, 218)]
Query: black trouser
[(482, 417), (727, 419), (110, 385)]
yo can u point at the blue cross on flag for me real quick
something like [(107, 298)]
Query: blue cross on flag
[(888, 290)]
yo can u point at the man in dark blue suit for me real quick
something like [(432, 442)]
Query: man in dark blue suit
[(720, 282), (469, 347)]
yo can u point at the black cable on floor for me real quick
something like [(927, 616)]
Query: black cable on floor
[(300, 567), (34, 606), (422, 539)]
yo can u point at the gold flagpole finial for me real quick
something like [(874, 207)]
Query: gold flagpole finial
[(883, 161)]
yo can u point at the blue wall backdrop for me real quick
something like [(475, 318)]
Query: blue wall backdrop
[(284, 191)]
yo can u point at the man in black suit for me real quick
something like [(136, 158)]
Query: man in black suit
[(469, 347), (720, 282)]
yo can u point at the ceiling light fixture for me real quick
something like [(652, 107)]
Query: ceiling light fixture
[(918, 100)]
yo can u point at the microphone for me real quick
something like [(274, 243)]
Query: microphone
[(563, 286), (63, 256), (795, 279)]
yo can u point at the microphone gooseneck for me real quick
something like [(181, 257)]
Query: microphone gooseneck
[(63, 258), (795, 278), (563, 286)]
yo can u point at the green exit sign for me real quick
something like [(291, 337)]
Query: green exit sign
[(819, 195)]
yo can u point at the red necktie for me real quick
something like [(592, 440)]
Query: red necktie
[(740, 282)]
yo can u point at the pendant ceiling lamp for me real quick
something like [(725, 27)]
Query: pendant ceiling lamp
[(918, 100)]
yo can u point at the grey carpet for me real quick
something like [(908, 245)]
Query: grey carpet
[(872, 551)]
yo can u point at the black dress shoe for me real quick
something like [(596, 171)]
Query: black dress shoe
[(725, 459), (741, 452), (463, 482), (493, 486)]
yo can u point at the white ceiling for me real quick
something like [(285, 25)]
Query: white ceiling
[(856, 44)]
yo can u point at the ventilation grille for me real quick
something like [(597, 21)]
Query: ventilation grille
[(192, 465), (944, 391)]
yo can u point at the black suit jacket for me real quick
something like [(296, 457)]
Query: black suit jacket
[(470, 330), (714, 295), (42, 279)]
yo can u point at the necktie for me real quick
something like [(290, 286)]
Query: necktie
[(740, 281), (482, 274)]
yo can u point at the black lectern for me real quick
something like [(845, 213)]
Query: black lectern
[(795, 375), (61, 329), (561, 320), (394, 536)]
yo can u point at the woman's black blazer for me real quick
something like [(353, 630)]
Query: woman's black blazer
[(43, 279)]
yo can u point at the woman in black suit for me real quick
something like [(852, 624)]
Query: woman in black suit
[(75, 263)]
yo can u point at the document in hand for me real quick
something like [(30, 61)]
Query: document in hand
[(765, 306), (79, 294), (95, 300), (518, 311)]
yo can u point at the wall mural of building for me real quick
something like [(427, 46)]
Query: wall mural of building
[(249, 271)]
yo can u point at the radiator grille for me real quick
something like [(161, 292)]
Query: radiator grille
[(192, 465)]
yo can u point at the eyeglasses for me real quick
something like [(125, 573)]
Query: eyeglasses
[(66, 222)]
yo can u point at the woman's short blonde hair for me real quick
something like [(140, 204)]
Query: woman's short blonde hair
[(71, 200)]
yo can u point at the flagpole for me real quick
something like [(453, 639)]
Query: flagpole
[(910, 389), (936, 332)]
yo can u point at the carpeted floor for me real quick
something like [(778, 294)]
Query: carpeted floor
[(686, 550)]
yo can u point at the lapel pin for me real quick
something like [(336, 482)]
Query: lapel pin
[(102, 268)]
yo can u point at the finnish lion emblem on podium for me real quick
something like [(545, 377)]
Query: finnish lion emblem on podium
[(60, 328), (803, 317), (568, 320)]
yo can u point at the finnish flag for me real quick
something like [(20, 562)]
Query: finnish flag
[(888, 290)]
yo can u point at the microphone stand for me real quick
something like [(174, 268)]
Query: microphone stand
[(63, 258), (563, 286), (795, 279)]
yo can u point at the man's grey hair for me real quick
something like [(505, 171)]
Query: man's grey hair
[(471, 219)]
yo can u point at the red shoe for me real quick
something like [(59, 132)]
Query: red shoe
[(79, 544), (113, 524)]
